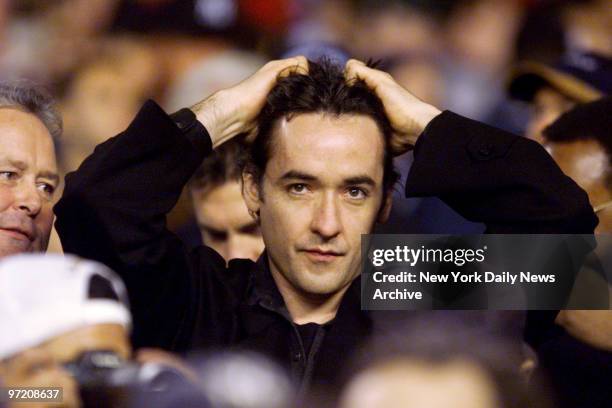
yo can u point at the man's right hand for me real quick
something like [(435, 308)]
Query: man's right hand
[(234, 110)]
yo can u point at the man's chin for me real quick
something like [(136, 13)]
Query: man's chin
[(321, 281), (9, 247)]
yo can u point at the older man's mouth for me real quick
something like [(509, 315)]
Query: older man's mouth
[(18, 233)]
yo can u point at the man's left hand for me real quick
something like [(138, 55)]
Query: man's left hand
[(408, 114)]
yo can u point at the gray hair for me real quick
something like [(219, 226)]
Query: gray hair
[(33, 99)]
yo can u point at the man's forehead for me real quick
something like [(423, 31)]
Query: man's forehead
[(13, 116), (26, 140), (317, 142), (221, 206)]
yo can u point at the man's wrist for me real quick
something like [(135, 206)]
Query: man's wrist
[(427, 114), (204, 113), (222, 124)]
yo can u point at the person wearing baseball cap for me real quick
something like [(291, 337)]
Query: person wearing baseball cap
[(555, 89), (53, 309)]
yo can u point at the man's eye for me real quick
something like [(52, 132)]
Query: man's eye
[(46, 188), (38, 367), (8, 175), (356, 193), (298, 188), (252, 229), (217, 236)]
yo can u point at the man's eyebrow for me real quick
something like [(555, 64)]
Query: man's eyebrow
[(294, 174), (15, 163), (21, 165), (210, 229), (251, 227), (360, 180), (49, 175)]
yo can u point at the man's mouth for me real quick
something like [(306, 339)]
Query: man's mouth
[(320, 255), (18, 233)]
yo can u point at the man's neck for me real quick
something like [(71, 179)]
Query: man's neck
[(306, 307)]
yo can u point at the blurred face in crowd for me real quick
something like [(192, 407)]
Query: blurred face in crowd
[(407, 384), (588, 164), (100, 104), (37, 368), (103, 98), (321, 189), (109, 337), (28, 179), (41, 366), (423, 78), (225, 223), (548, 105)]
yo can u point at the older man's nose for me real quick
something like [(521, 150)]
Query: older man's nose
[(28, 199)]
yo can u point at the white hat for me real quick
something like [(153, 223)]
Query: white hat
[(43, 296)]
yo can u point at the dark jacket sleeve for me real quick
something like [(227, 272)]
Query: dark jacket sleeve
[(114, 208), (487, 175), (509, 183)]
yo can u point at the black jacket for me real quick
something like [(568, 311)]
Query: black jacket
[(114, 206)]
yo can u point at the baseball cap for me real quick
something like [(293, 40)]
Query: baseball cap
[(44, 296), (591, 120), (583, 77)]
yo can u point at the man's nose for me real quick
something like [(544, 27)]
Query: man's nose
[(326, 220), (28, 199), (234, 248)]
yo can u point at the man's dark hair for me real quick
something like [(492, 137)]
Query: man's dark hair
[(589, 121), (323, 90), (222, 166)]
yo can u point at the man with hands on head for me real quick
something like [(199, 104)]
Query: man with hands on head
[(320, 174)]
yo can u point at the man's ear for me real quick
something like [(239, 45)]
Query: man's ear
[(385, 208), (250, 191)]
